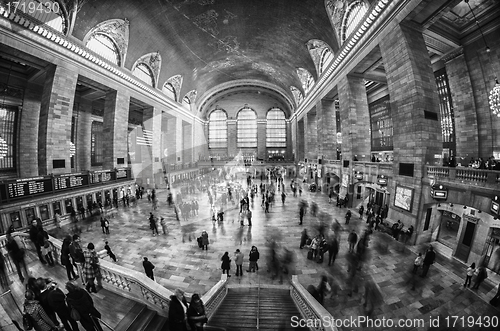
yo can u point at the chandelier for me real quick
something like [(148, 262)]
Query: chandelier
[(495, 99)]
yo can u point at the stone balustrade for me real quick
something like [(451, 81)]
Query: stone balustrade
[(215, 296), (123, 281), (317, 317), (465, 175)]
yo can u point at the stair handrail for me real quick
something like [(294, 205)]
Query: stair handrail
[(258, 300), (105, 324), (310, 308), (215, 296)]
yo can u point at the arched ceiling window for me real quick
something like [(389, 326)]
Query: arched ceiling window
[(306, 79), (246, 128), (321, 54), (104, 46), (49, 12), (353, 16), (109, 39), (326, 59), (169, 90), (275, 128), (175, 83), (217, 129), (143, 72), (297, 95)]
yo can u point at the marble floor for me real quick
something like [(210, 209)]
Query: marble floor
[(439, 301)]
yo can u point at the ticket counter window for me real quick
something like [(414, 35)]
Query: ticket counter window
[(44, 212), (79, 202), (57, 207), (30, 215), (68, 203), (107, 201), (89, 200), (98, 197), (15, 219)]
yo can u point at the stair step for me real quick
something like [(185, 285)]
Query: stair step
[(129, 318), (142, 320), (157, 323)]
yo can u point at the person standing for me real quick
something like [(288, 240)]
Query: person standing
[(57, 302), (81, 300), (34, 239), (481, 275), (204, 240), (352, 239), (347, 216), (226, 264), (163, 224), (103, 226), (43, 298), (333, 249), (16, 252), (76, 253), (33, 308), (249, 217), (106, 225), (253, 258), (418, 263), (66, 260), (196, 314), (429, 258), (361, 211), (238, 260), (469, 274), (108, 250), (148, 268), (91, 268), (177, 311), (152, 224)]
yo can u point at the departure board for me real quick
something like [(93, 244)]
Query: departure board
[(68, 181), (27, 187), (121, 174), (98, 177)]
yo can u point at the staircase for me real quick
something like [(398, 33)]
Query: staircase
[(268, 309), (141, 318)]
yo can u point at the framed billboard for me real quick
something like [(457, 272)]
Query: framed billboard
[(403, 197)]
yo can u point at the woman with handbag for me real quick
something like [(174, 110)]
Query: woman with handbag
[(196, 313), (34, 313), (82, 307), (91, 268)]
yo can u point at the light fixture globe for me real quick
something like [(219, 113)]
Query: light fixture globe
[(495, 99)]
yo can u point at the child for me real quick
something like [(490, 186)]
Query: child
[(110, 253), (418, 262)]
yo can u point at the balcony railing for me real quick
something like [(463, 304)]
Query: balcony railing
[(465, 175)]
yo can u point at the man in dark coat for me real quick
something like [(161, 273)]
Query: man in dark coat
[(333, 249), (43, 297), (176, 311), (148, 268), (428, 260), (57, 302), (34, 239)]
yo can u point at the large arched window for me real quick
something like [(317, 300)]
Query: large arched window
[(217, 129), (105, 47), (143, 72), (247, 128), (326, 59), (276, 128), (169, 90), (7, 137), (353, 16), (96, 143)]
